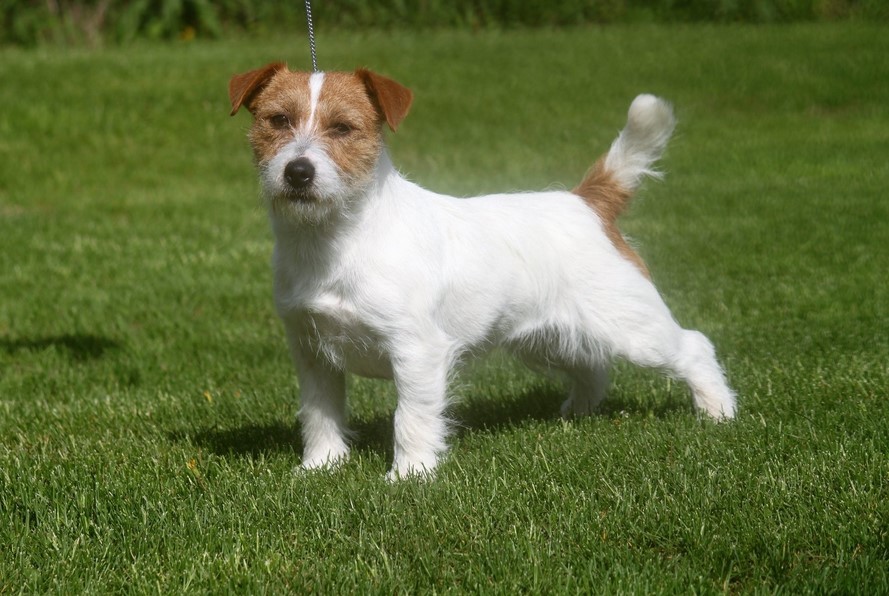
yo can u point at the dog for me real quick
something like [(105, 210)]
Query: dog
[(377, 276)]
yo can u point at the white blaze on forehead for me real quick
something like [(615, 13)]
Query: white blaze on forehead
[(315, 82)]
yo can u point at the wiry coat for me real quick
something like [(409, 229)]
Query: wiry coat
[(377, 276)]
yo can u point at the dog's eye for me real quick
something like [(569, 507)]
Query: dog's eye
[(279, 121), (341, 129)]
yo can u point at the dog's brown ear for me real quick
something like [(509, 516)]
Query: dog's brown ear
[(392, 98), (242, 88)]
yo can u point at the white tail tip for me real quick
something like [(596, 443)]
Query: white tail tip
[(650, 113), (650, 123)]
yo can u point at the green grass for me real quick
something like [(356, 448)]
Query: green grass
[(147, 404)]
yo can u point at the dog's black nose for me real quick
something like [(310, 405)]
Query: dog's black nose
[(299, 173)]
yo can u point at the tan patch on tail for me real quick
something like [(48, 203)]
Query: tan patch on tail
[(609, 199)]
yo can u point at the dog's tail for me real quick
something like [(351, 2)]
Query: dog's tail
[(609, 185)]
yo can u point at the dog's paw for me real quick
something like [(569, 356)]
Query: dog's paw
[(393, 476), (578, 408), (718, 402), (328, 459), (721, 412), (414, 469), (567, 411)]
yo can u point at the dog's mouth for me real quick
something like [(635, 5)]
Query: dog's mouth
[(299, 195)]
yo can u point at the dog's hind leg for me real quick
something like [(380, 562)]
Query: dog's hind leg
[(589, 386), (697, 365), (686, 354)]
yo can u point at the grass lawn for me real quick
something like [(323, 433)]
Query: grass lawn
[(147, 434)]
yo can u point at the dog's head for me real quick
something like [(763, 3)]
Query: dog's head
[(317, 137)]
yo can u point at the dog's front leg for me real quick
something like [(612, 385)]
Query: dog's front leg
[(322, 412), (421, 379)]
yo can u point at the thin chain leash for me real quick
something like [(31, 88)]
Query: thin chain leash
[(311, 35)]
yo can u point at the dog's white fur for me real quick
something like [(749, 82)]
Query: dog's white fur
[(387, 279)]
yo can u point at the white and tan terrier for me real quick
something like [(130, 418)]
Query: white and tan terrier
[(377, 276)]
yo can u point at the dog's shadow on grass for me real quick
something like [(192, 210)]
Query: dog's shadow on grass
[(374, 434), (252, 440), (80, 347)]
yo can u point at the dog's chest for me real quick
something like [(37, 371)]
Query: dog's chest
[(334, 326)]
